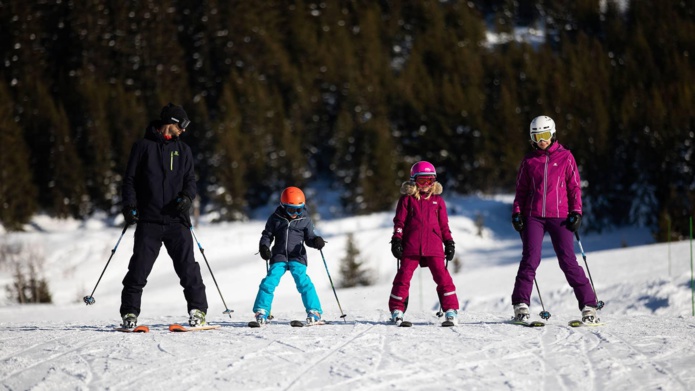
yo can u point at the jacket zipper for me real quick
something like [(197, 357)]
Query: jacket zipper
[(287, 241), (545, 182)]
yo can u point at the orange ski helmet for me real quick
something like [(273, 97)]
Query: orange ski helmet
[(292, 196)]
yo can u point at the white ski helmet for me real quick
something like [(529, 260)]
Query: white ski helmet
[(542, 128)]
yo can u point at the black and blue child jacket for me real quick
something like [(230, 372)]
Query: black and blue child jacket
[(158, 170), (289, 236)]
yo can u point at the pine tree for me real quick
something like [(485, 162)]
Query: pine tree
[(94, 143), (17, 190), (57, 167), (229, 164), (352, 269)]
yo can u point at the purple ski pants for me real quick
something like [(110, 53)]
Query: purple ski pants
[(445, 285), (563, 243)]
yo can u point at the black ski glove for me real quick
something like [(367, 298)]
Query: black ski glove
[(182, 203), (130, 214), (319, 242), (574, 220), (518, 222), (265, 251), (397, 248), (449, 249)]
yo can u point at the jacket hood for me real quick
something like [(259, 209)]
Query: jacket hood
[(409, 188)]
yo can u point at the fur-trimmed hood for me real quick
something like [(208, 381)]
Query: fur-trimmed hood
[(410, 188)]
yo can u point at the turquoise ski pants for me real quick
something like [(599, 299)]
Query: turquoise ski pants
[(264, 298)]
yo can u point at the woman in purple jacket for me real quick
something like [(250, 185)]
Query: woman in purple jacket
[(421, 226), (549, 199)]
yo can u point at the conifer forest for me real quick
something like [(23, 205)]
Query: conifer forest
[(349, 94)]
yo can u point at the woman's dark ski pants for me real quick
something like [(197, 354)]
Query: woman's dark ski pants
[(563, 244)]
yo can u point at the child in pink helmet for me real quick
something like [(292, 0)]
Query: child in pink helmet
[(421, 226)]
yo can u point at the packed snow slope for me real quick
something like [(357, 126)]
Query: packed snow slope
[(645, 344)]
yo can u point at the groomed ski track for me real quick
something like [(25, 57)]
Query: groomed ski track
[(482, 352)]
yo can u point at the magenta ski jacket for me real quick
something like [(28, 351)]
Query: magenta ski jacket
[(422, 225), (548, 184)]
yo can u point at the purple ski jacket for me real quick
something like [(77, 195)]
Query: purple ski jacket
[(422, 225), (548, 184)]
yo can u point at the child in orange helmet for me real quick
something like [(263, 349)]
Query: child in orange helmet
[(290, 228)]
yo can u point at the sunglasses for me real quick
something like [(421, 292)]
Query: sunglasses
[(293, 210), (536, 137), (425, 180)]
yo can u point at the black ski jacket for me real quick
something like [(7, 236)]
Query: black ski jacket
[(158, 170), (289, 235)]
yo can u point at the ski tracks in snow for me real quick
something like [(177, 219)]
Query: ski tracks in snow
[(483, 352)]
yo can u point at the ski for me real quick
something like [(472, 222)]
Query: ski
[(448, 323), (299, 323), (534, 323), (403, 323), (579, 323), (177, 328), (139, 329), (253, 324)]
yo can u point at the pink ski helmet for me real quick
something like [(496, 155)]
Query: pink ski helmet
[(422, 168)]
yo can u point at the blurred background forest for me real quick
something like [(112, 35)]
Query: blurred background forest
[(348, 93)]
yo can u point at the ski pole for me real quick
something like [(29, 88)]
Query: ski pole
[(267, 270), (89, 300), (441, 310), (543, 314), (342, 315), (407, 298), (599, 303), (202, 251)]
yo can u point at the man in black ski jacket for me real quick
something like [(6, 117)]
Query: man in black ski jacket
[(158, 190)]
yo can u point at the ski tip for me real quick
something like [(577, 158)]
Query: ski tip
[(406, 323), (253, 324), (448, 323), (138, 329), (579, 323), (297, 323), (141, 329), (534, 323), (179, 328)]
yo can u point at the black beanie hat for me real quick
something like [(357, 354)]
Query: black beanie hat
[(173, 114)]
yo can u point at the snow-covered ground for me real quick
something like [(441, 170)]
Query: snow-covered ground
[(645, 344)]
